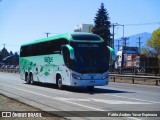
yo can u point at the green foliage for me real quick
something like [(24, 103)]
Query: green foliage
[(154, 41), (4, 53), (148, 52), (102, 24), (145, 51)]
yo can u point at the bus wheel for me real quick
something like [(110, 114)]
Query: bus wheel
[(31, 79), (27, 79), (59, 83), (90, 88)]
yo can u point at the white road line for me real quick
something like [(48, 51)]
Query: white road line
[(56, 98), (133, 98), (134, 118), (101, 101), (75, 99), (65, 101), (118, 102)]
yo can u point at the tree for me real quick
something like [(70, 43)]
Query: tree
[(102, 24), (145, 51), (4, 53), (0, 56), (11, 53), (154, 41), (16, 53)]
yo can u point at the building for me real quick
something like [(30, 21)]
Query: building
[(83, 28)]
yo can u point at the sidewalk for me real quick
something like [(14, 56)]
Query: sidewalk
[(8, 104)]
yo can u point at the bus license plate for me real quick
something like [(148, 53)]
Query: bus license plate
[(92, 81)]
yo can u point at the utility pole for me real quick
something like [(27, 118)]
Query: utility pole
[(139, 42), (115, 25), (118, 44), (112, 42), (123, 30), (47, 33), (125, 41)]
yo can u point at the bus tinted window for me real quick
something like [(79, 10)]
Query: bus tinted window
[(43, 48), (85, 37)]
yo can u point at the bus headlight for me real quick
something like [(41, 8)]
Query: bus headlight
[(106, 76), (76, 76)]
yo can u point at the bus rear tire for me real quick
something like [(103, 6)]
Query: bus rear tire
[(27, 79)]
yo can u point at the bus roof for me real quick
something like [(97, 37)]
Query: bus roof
[(68, 36)]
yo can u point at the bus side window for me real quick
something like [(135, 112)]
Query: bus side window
[(66, 56), (22, 52)]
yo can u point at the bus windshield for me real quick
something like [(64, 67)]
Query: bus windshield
[(91, 58)]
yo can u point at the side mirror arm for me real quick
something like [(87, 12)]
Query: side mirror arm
[(71, 50), (112, 53)]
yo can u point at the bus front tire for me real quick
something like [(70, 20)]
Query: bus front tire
[(59, 83), (31, 79)]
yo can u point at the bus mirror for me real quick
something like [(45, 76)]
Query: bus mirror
[(71, 50), (112, 53)]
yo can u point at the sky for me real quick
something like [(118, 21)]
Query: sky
[(23, 21)]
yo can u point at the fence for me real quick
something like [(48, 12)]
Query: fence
[(134, 78), (10, 70)]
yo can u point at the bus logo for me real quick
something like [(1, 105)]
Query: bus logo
[(48, 59), (88, 45)]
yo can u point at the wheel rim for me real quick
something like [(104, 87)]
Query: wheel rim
[(31, 79), (59, 83), (27, 79)]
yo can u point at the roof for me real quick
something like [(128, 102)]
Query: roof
[(67, 36)]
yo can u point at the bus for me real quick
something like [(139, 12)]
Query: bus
[(72, 59)]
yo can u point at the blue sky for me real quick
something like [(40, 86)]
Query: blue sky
[(23, 21)]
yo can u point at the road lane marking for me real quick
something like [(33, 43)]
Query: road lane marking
[(74, 99), (134, 118), (65, 101), (134, 98), (101, 100), (118, 101), (56, 98)]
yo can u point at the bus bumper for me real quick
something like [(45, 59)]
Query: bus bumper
[(77, 82)]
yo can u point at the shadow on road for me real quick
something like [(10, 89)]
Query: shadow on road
[(94, 91), (81, 89)]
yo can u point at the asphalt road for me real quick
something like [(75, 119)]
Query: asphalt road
[(114, 97)]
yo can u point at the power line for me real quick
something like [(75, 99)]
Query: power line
[(47, 33), (115, 25), (139, 24)]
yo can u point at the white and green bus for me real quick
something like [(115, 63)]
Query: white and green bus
[(72, 59)]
